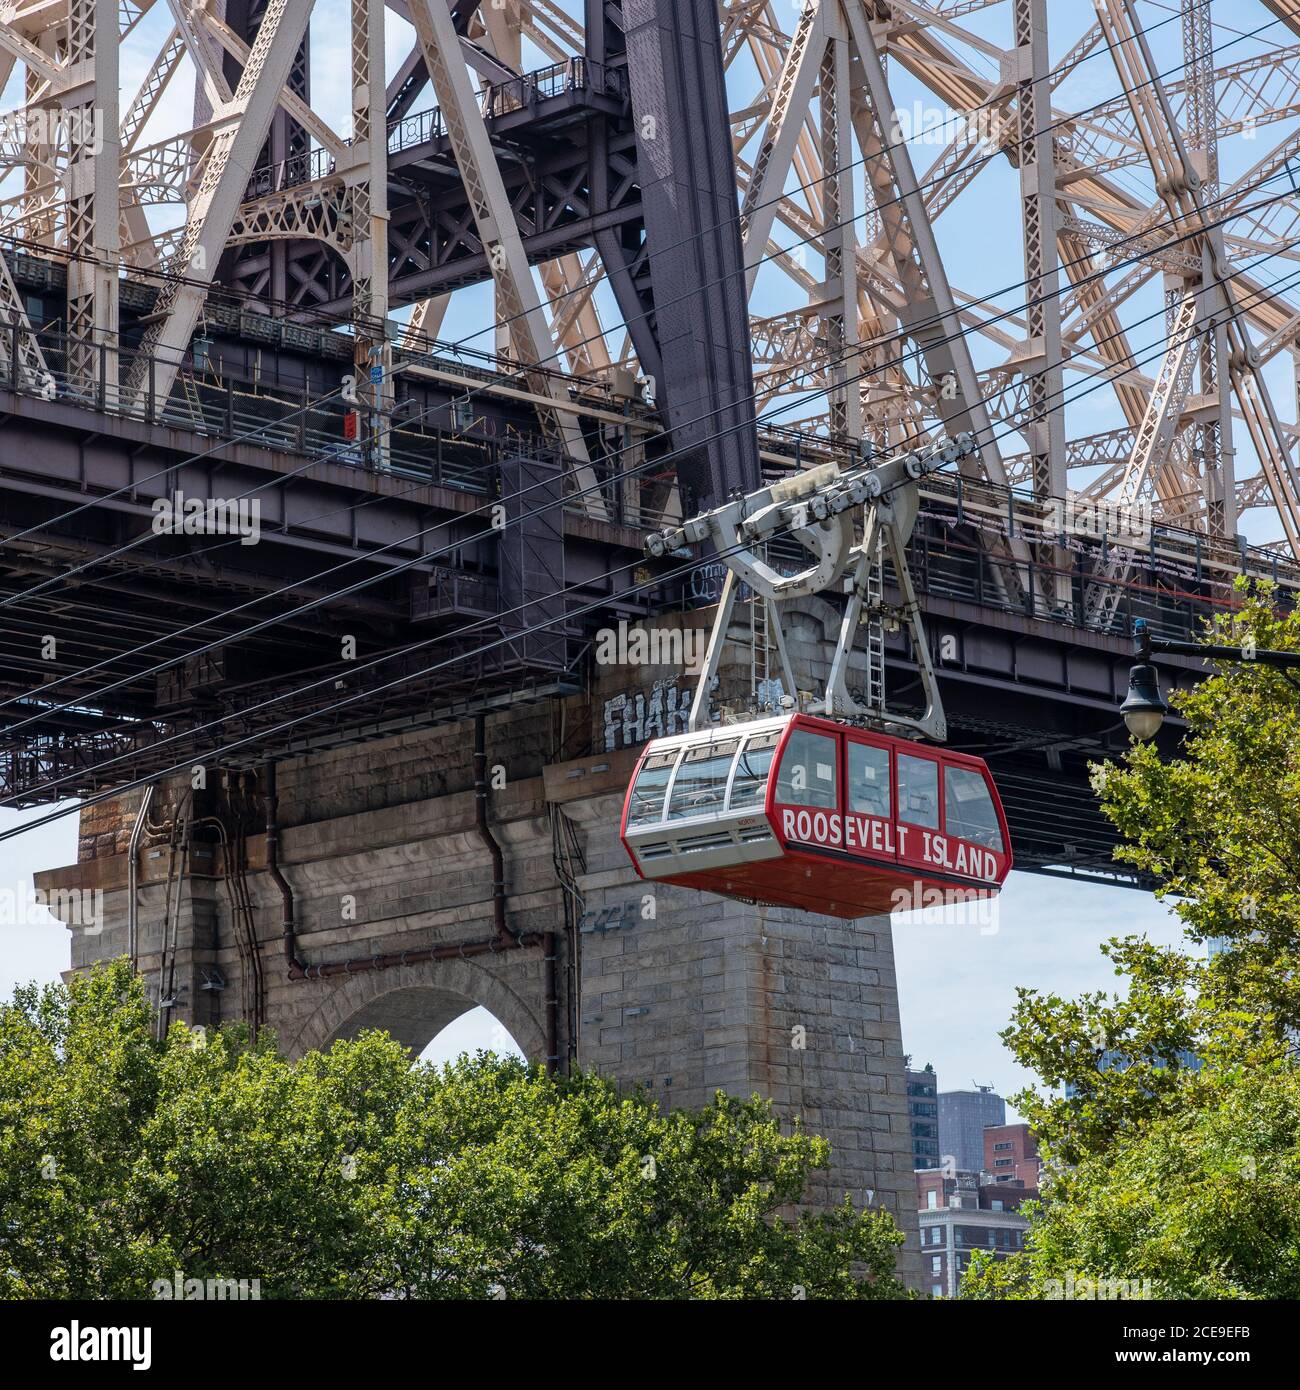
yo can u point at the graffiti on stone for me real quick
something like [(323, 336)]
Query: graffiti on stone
[(609, 918), (635, 716), (705, 583)]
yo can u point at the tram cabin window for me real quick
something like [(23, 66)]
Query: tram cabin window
[(701, 782), (968, 808), (647, 804), (749, 786), (918, 791), (808, 771), (868, 780)]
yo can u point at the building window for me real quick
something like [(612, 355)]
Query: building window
[(931, 1200), (998, 1148), (1004, 1162), (937, 1290), (936, 1264), (997, 1204)]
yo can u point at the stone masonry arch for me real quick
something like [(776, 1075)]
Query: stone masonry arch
[(413, 1003)]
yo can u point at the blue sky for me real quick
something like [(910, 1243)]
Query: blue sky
[(956, 984)]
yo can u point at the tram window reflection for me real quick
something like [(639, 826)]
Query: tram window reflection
[(702, 780), (868, 780), (969, 808), (918, 791), (749, 786), (647, 802), (808, 771)]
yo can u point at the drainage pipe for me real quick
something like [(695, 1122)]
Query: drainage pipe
[(485, 830), (296, 966), (549, 984), (133, 879)]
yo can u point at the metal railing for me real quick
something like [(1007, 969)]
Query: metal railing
[(465, 458), (962, 549), (514, 94), (1175, 576), (297, 169)]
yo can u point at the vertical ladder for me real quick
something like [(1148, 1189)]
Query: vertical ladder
[(873, 622), (759, 647)]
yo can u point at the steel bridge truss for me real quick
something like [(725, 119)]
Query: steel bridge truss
[(672, 161)]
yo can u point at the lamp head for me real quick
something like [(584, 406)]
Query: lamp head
[(1144, 707)]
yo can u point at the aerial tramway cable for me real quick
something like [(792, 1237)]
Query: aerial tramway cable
[(413, 563), (361, 695)]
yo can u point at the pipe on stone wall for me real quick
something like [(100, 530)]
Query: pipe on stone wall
[(552, 1004), (502, 939), (133, 879), (485, 830), (296, 966), (504, 934)]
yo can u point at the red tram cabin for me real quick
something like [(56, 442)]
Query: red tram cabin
[(798, 811)]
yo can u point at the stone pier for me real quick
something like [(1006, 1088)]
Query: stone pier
[(659, 986)]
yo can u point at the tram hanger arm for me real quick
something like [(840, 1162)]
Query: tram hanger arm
[(814, 495), (817, 508)]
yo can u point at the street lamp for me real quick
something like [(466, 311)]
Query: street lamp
[(1144, 708)]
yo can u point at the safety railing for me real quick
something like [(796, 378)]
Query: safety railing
[(465, 457), (944, 565), (1086, 565), (964, 546), (292, 172), (514, 94)]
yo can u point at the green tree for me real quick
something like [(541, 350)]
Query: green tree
[(354, 1174), (1179, 1165)]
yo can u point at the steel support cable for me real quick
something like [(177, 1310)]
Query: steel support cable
[(427, 557), (347, 701), (635, 318)]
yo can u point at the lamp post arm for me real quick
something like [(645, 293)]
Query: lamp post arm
[(1172, 647)]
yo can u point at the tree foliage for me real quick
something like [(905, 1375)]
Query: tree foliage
[(353, 1174), (1172, 1146)]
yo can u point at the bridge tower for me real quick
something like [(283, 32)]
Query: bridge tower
[(355, 887)]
